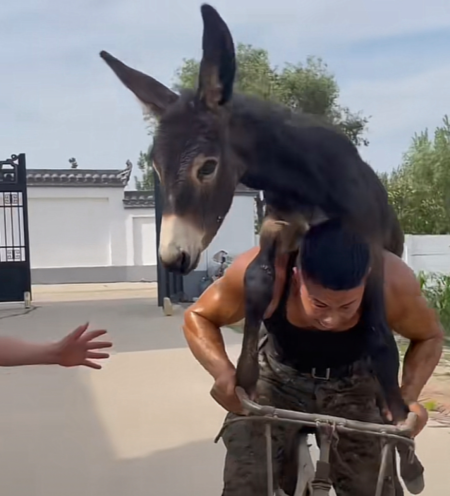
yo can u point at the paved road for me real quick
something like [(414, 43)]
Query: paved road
[(143, 425)]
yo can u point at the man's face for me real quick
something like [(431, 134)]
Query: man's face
[(329, 309)]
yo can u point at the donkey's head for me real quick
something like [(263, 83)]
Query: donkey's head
[(191, 153)]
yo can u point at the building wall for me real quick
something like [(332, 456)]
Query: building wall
[(429, 253), (76, 234), (82, 235)]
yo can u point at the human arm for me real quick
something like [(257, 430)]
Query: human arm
[(77, 348), (410, 316), (16, 352), (221, 304)]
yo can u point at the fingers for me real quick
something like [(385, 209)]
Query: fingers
[(230, 404), (78, 332), (97, 355), (89, 336), (92, 365), (97, 345)]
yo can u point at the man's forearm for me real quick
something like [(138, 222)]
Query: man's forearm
[(14, 352), (206, 343), (421, 359)]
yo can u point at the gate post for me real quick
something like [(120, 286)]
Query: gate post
[(15, 267)]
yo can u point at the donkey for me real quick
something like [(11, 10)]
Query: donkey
[(210, 139)]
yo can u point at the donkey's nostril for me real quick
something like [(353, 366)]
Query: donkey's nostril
[(180, 264), (184, 262)]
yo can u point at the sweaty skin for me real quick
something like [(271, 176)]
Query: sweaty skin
[(222, 304)]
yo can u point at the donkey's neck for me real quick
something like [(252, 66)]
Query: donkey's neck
[(283, 152)]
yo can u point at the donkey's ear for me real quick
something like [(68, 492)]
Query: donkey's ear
[(150, 92), (218, 64)]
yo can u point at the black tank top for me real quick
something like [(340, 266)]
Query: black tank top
[(305, 349)]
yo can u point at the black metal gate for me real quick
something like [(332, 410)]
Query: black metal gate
[(170, 285), (15, 269)]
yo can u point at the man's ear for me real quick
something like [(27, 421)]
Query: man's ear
[(218, 64), (151, 93)]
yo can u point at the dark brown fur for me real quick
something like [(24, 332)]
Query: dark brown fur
[(306, 167)]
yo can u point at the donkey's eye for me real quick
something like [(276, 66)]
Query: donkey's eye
[(208, 168)]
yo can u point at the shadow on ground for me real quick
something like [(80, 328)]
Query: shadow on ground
[(54, 441)]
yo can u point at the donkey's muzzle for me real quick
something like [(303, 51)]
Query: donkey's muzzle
[(180, 264)]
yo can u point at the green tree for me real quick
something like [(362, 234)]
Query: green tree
[(145, 166), (309, 87), (419, 189)]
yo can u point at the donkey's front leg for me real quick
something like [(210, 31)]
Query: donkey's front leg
[(258, 282), (382, 346)]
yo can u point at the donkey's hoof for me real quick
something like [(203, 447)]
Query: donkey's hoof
[(411, 472), (415, 486), (248, 386), (399, 410)]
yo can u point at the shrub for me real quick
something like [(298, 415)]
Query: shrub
[(436, 289)]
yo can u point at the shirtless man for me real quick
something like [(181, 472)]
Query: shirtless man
[(313, 357)]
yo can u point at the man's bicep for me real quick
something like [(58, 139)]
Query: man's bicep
[(222, 303), (408, 310), (417, 321)]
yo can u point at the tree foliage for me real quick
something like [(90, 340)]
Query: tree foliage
[(309, 87), (419, 189), (145, 166)]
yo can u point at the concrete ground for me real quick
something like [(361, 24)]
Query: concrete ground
[(143, 425)]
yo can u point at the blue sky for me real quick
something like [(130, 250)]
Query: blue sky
[(58, 99)]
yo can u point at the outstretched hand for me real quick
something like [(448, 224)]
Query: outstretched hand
[(79, 348)]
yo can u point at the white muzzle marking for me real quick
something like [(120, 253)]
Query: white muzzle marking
[(177, 236)]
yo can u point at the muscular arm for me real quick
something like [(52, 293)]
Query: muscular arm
[(223, 303), (410, 316)]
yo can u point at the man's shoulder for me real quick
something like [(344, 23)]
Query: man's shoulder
[(398, 275), (401, 287), (242, 261), (408, 311)]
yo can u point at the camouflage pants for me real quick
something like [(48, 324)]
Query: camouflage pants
[(355, 460)]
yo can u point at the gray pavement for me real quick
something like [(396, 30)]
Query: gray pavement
[(142, 425)]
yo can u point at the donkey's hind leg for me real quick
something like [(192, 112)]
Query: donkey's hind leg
[(259, 281)]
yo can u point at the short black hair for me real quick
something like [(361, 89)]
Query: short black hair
[(334, 257)]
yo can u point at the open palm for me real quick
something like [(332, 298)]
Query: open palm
[(79, 348)]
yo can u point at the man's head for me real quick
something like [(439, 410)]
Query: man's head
[(334, 265)]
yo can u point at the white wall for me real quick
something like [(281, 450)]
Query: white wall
[(141, 236), (236, 235), (73, 227), (428, 253)]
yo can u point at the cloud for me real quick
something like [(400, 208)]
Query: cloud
[(399, 108), (58, 99)]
